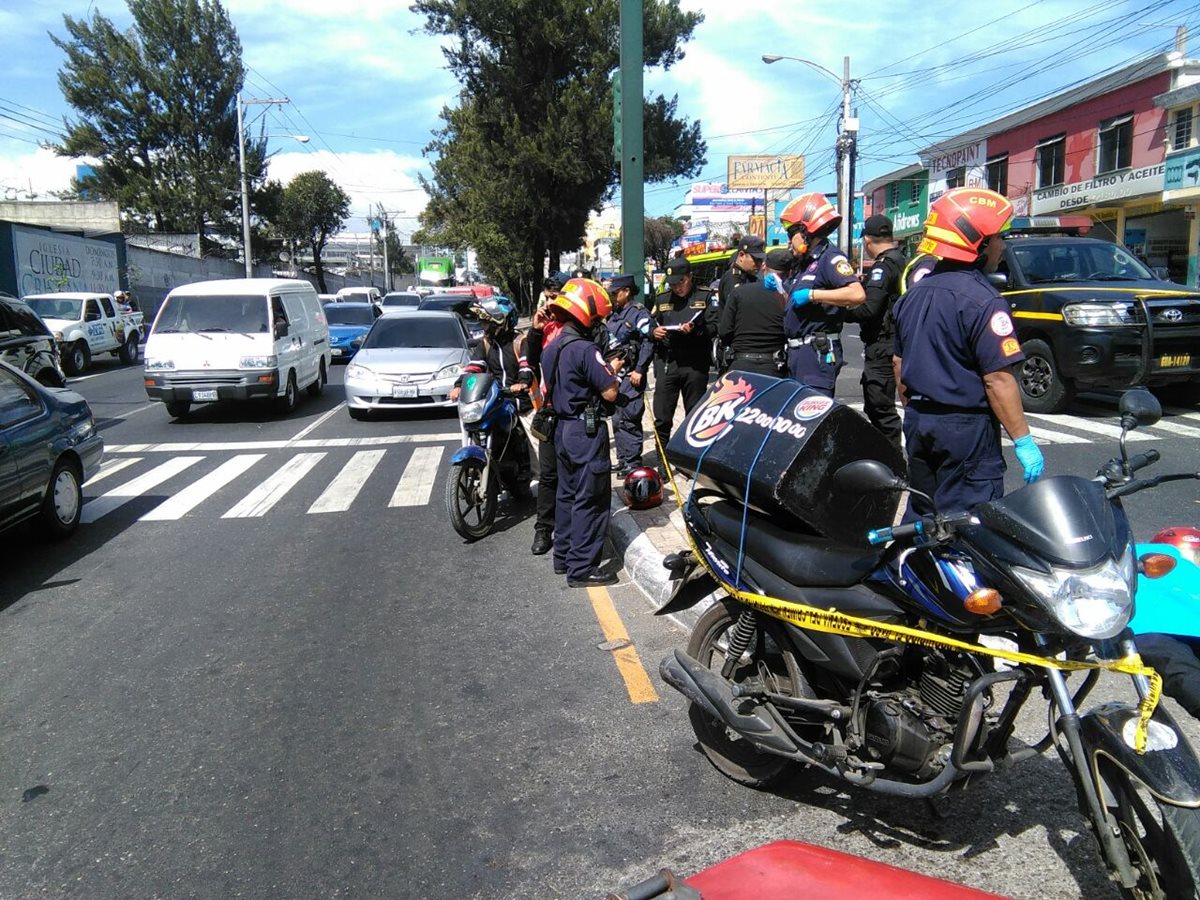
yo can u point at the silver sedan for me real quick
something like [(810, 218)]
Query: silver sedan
[(408, 360)]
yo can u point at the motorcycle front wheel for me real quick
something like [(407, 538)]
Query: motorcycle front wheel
[(1163, 840), (768, 661), (471, 503)]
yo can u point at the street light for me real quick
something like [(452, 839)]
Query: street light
[(241, 106), (846, 144)]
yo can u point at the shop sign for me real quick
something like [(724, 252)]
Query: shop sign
[(778, 172), (1101, 189), (971, 158), (47, 262), (1183, 171)]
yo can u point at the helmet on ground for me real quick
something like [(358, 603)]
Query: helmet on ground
[(961, 220), (1184, 539), (643, 489), (812, 212), (586, 301)]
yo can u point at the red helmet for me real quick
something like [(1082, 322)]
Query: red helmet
[(813, 212), (961, 220), (1184, 539), (643, 489), (584, 300)]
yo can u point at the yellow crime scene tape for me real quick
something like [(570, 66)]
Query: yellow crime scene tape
[(833, 622)]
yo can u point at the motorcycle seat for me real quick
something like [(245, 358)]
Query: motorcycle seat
[(801, 559)]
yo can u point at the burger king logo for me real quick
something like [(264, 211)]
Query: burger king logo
[(714, 417), (812, 407)]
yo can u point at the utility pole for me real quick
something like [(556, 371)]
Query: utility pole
[(242, 103), (847, 149), (383, 230), (633, 237)]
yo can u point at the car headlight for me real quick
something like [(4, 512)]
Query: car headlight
[(1097, 314), (359, 373), (84, 429), (472, 412), (1093, 603), (258, 362), (448, 372), (159, 365)]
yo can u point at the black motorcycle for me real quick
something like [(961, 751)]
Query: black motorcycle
[(1050, 568)]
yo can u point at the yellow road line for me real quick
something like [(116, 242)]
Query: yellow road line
[(637, 682)]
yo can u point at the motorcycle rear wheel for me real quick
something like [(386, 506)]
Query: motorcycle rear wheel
[(470, 503), (768, 658), (1163, 840)]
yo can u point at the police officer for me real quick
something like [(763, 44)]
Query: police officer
[(629, 329), (954, 358), (874, 320), (683, 349), (743, 268), (577, 378), (821, 285), (752, 320)]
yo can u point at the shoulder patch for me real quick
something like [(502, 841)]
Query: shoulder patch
[(1010, 347), (1002, 325), (877, 274), (843, 267)]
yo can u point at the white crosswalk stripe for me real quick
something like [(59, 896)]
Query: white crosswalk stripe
[(1089, 425), (112, 467), (119, 496), (198, 491), (263, 498), (341, 492), (416, 484)]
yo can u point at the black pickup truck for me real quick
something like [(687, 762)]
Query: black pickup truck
[(1089, 315)]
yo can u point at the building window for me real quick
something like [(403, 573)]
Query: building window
[(894, 194), (914, 191), (997, 174), (1181, 130), (1050, 161), (1116, 143), (956, 177)]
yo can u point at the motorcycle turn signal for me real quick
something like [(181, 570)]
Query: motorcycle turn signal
[(1155, 565), (984, 601)]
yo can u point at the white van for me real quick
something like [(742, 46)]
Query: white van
[(239, 339), (360, 295)]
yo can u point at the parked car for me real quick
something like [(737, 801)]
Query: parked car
[(27, 344), (1089, 315), (348, 325), (327, 298), (456, 304), (407, 360), (401, 299), (85, 324), (52, 449)]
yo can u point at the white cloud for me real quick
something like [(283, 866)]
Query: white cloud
[(25, 169)]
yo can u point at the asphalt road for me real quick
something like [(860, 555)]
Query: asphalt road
[(268, 667)]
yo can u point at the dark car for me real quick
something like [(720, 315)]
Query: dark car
[(400, 299), (51, 447), (459, 304), (349, 323), (1089, 315), (27, 344)]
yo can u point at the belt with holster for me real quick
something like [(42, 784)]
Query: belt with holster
[(795, 342)]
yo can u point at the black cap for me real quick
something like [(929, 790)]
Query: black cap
[(779, 259), (754, 246), (556, 280), (623, 281), (677, 267), (879, 226)]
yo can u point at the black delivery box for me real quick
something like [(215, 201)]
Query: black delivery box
[(791, 439)]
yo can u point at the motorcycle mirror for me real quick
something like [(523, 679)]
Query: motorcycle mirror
[(1140, 407), (867, 476)]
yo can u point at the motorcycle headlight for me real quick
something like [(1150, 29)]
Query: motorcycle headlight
[(1093, 603), (451, 371), (359, 373), (472, 412), (258, 362), (159, 365)]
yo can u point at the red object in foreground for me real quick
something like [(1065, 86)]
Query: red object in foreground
[(788, 869)]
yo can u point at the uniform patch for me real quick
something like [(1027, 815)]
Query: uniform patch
[(1002, 324), (600, 359), (1010, 347), (843, 267), (877, 274)]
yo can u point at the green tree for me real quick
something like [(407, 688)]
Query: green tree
[(157, 106), (312, 208), (526, 154), (397, 260), (659, 234)]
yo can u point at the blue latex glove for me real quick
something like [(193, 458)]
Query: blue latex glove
[(800, 296), (1030, 458), (772, 283)]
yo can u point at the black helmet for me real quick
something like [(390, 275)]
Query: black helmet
[(643, 489)]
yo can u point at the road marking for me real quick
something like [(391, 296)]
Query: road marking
[(261, 500), (305, 444), (637, 682), (416, 484), (345, 487), (119, 496), (318, 423), (1057, 437), (111, 467), (1167, 425), (1109, 431), (198, 491)]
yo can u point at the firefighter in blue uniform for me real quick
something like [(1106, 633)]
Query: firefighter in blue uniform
[(821, 286), (954, 358), (629, 329), (577, 379)]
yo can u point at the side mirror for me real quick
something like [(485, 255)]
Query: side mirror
[(1139, 407), (867, 476), (999, 279)]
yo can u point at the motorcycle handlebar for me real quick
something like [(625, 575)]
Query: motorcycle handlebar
[(1141, 484), (1144, 459), (940, 526), (879, 536)]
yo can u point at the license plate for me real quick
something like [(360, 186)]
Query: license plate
[(1174, 360), (198, 396), (404, 390), (338, 351)]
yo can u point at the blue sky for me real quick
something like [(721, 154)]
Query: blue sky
[(366, 86)]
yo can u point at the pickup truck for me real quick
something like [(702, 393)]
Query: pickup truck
[(85, 324), (1090, 316)]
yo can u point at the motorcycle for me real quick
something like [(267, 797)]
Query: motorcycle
[(495, 453), (1049, 567)]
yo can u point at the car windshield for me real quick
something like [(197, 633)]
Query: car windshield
[(340, 314), (1043, 262), (402, 300), (56, 308), (447, 301), (415, 332), (237, 313)]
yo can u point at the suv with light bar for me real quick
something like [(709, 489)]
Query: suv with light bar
[(1090, 315)]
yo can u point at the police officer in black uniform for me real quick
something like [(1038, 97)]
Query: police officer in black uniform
[(743, 268), (683, 345), (629, 329), (875, 324), (752, 320)]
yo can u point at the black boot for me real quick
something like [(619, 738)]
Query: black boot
[(542, 542)]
